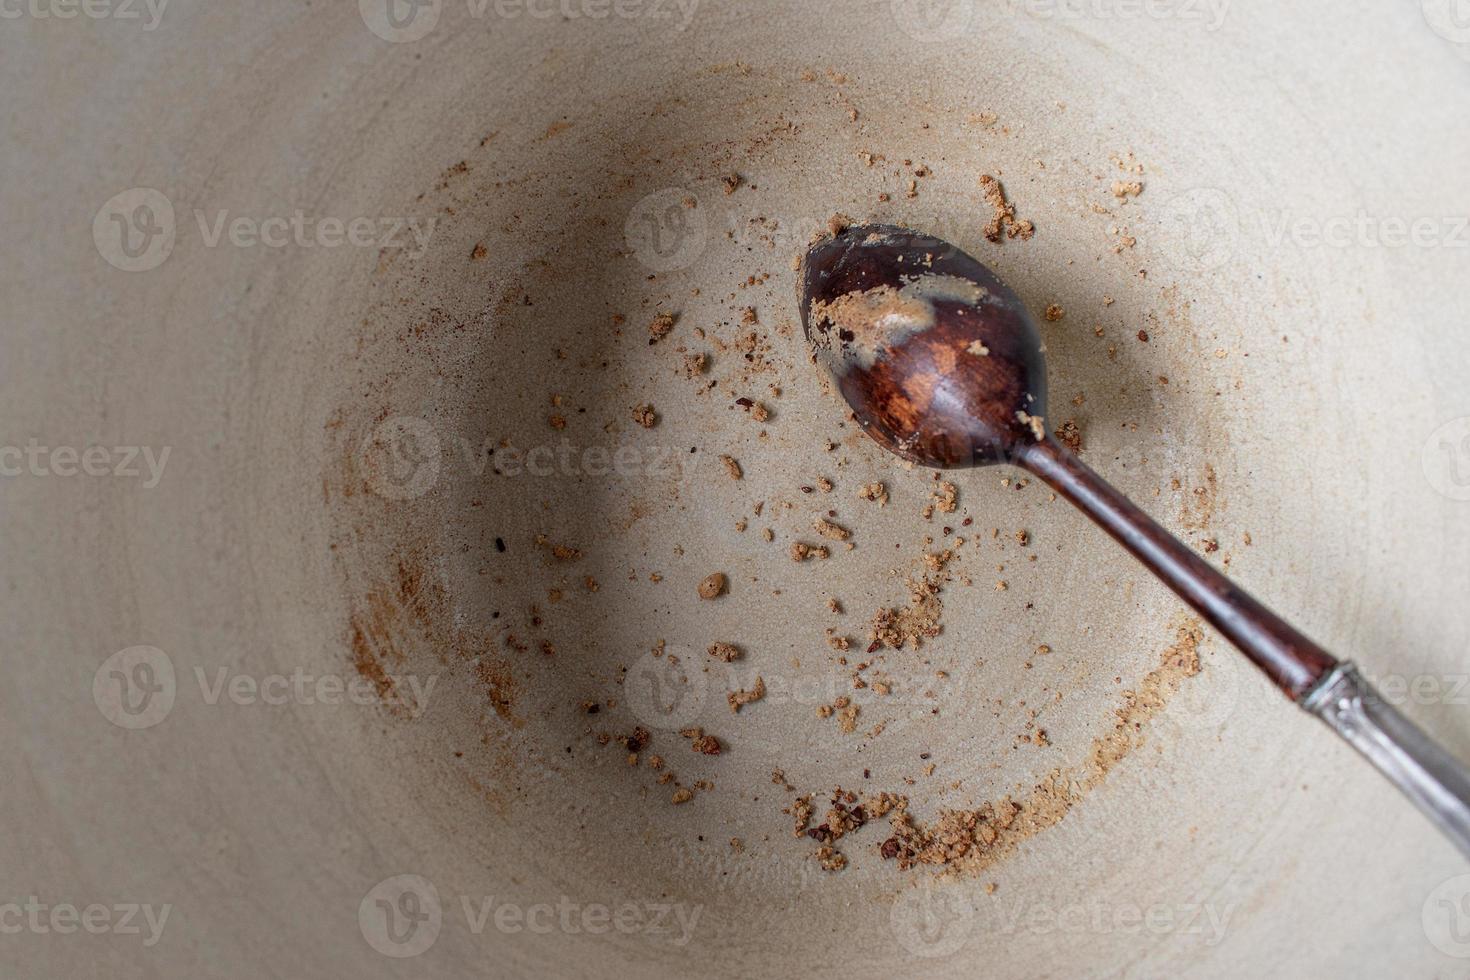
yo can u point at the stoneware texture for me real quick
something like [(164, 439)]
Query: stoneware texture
[(330, 505)]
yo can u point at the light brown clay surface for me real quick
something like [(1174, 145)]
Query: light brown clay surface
[(487, 479)]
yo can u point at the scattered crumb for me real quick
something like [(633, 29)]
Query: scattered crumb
[(801, 551), (829, 529), (739, 699), (724, 651), (1070, 435), (660, 327), (1004, 222)]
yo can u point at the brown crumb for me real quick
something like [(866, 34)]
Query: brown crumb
[(646, 416), (830, 858), (1036, 423), (479, 252), (946, 498), (829, 529), (712, 586), (1070, 435), (739, 699), (1054, 312), (876, 492), (557, 422), (801, 551), (682, 795), (732, 467), (660, 327), (1004, 222), (1123, 189), (732, 183), (724, 651), (695, 364)]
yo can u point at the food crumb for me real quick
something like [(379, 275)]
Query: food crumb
[(646, 416), (732, 467), (829, 529), (712, 586), (739, 699), (724, 651), (660, 327), (801, 551)]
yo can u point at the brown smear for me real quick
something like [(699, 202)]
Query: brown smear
[(411, 612), (968, 842)]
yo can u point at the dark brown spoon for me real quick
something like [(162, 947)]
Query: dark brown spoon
[(942, 364)]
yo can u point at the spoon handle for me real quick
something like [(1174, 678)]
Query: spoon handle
[(1428, 775), (1334, 691), (1292, 661)]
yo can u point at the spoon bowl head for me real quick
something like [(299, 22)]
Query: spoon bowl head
[(938, 359)]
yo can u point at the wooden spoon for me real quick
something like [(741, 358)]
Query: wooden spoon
[(942, 364)]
